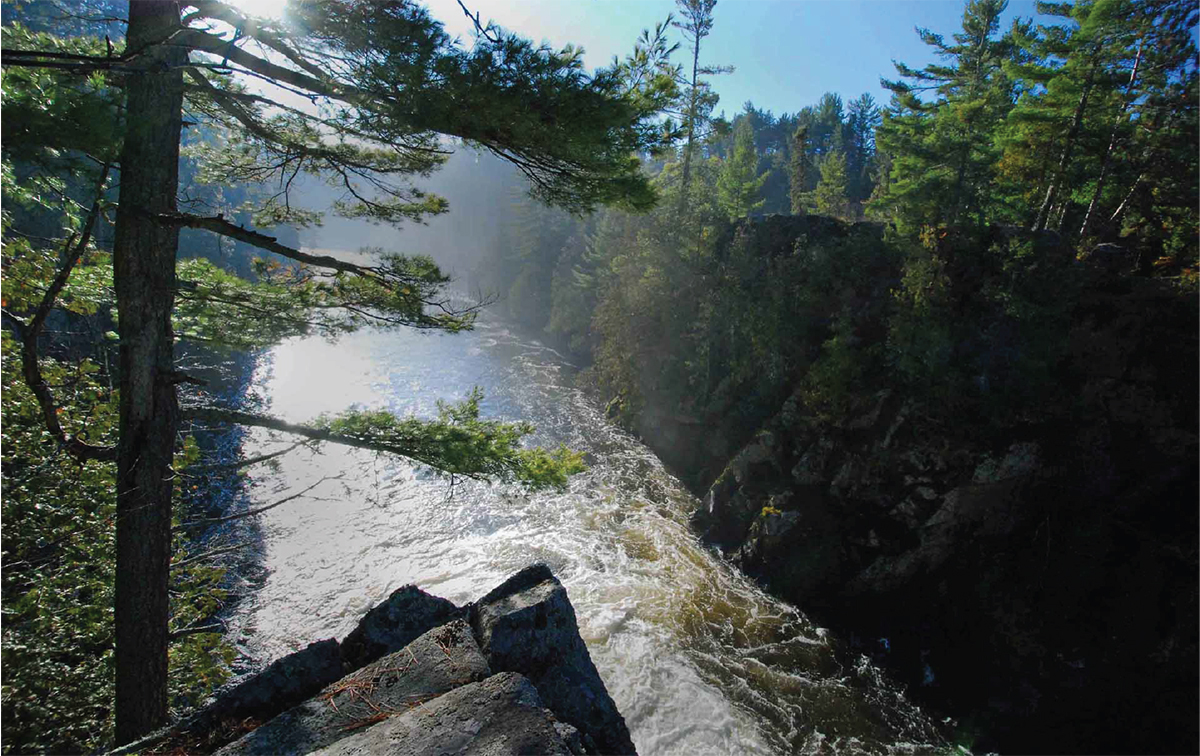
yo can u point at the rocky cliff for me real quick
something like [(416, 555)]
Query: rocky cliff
[(1033, 574), (508, 674)]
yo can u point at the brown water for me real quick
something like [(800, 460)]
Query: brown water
[(698, 659)]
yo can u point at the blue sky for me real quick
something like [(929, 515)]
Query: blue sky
[(787, 52)]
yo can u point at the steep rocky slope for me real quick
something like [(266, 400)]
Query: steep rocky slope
[(1031, 572)]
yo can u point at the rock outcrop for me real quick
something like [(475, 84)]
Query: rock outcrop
[(415, 678), (500, 716), (1036, 577), (527, 625), (437, 662)]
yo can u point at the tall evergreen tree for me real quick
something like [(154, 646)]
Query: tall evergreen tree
[(739, 182), (386, 80), (943, 149), (1063, 80), (830, 196), (862, 119), (699, 98), (798, 170)]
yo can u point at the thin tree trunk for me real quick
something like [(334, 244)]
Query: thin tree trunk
[(1112, 145), (144, 275), (687, 153), (1125, 202), (1064, 160)]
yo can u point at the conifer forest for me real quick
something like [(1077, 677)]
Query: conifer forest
[(916, 367)]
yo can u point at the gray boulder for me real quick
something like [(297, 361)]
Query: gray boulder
[(500, 716), (528, 625), (439, 661), (406, 614), (285, 682)]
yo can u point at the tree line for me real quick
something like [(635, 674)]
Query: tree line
[(985, 175), (642, 247)]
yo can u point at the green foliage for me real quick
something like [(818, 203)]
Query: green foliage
[(830, 196), (58, 565), (459, 442), (578, 154), (943, 151), (980, 324), (739, 182), (49, 117), (921, 333), (798, 171), (289, 300)]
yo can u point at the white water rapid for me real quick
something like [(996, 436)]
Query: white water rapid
[(698, 659)]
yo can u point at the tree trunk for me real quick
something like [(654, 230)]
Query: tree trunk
[(1112, 145), (692, 106), (1064, 161), (144, 274)]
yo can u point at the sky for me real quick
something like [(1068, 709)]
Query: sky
[(786, 53)]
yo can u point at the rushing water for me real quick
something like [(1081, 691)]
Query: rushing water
[(698, 659)]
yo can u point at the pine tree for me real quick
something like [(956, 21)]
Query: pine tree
[(699, 98), (386, 81), (862, 119), (943, 150), (798, 170), (739, 183), (1064, 80), (830, 196)]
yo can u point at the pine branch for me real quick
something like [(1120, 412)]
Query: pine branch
[(218, 225), (220, 415)]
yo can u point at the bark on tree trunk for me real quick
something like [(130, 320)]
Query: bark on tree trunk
[(144, 272)]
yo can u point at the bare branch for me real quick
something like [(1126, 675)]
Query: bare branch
[(488, 32), (175, 635), (31, 370), (249, 462), (218, 225), (255, 512), (210, 554)]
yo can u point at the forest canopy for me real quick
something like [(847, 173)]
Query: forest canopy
[(153, 154)]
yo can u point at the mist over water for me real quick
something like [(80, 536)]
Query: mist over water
[(698, 659)]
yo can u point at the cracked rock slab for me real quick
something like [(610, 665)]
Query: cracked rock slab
[(442, 659), (527, 625), (500, 716)]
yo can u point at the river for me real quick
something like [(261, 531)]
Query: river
[(698, 659)]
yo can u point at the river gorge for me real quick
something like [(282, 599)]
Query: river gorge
[(696, 656)]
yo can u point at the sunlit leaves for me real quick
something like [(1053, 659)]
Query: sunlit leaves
[(215, 306), (58, 565), (460, 443)]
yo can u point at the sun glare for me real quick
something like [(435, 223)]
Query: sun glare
[(268, 9)]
